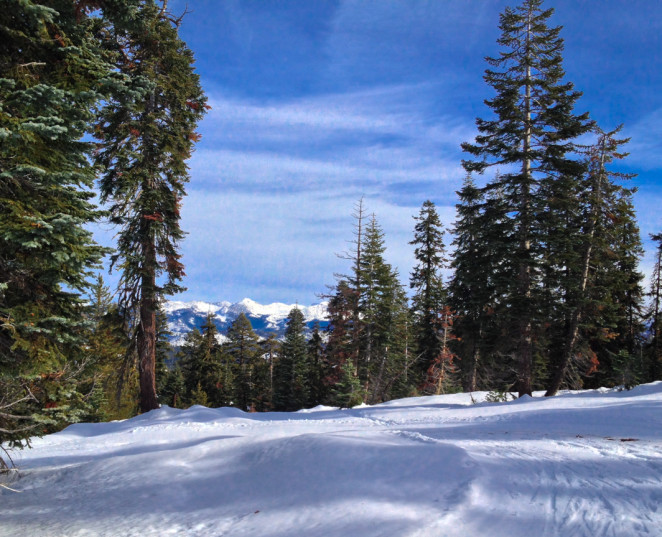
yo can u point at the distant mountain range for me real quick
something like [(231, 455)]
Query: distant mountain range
[(265, 319)]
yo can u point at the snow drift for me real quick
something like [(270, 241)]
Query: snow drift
[(581, 464)]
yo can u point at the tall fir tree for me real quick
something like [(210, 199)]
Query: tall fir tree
[(426, 282), (51, 78), (146, 135), (532, 134), (384, 311), (374, 281), (581, 263), (367, 311)]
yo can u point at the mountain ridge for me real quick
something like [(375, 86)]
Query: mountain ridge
[(265, 318)]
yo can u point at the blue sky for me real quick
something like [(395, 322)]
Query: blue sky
[(316, 103)]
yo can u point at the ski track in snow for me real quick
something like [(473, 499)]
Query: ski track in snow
[(577, 465)]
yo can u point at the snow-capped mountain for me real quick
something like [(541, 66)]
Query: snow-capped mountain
[(265, 318)]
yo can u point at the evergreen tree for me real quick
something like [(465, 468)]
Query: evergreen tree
[(146, 135), (441, 375), (340, 349), (618, 290), (201, 363), (392, 363), (51, 71), (173, 392), (384, 309), (375, 280), (480, 243), (188, 360), (346, 323), (346, 391), (531, 134), (654, 350), (291, 374), (115, 384), (271, 348), (227, 390), (351, 290), (243, 348), (316, 366), (164, 349), (426, 281), (365, 314), (594, 294)]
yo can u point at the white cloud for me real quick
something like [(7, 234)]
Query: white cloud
[(645, 146)]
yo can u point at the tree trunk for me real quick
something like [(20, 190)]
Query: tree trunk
[(524, 328), (146, 337)]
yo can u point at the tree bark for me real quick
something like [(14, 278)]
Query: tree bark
[(146, 337), (524, 328)]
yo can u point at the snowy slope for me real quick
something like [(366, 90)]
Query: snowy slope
[(184, 316), (581, 464)]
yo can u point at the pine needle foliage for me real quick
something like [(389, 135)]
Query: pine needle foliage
[(52, 75), (146, 133)]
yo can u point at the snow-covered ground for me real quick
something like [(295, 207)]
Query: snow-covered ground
[(581, 464)]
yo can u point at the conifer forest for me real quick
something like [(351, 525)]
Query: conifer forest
[(535, 285)]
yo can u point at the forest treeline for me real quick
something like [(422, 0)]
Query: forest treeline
[(542, 292)]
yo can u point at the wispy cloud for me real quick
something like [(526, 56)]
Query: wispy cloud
[(287, 243), (646, 141), (382, 139)]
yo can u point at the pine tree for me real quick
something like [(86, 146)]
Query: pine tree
[(173, 392), (441, 375), (392, 362), (146, 135), (340, 349), (654, 349), (367, 310), (271, 348), (316, 367), (384, 309), (201, 364), (346, 391), (617, 289), (374, 281), (105, 352), (164, 349), (351, 287), (188, 360), (343, 352), (51, 71), (199, 396), (426, 281), (482, 270), (582, 260), (291, 374), (243, 348), (533, 132)]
